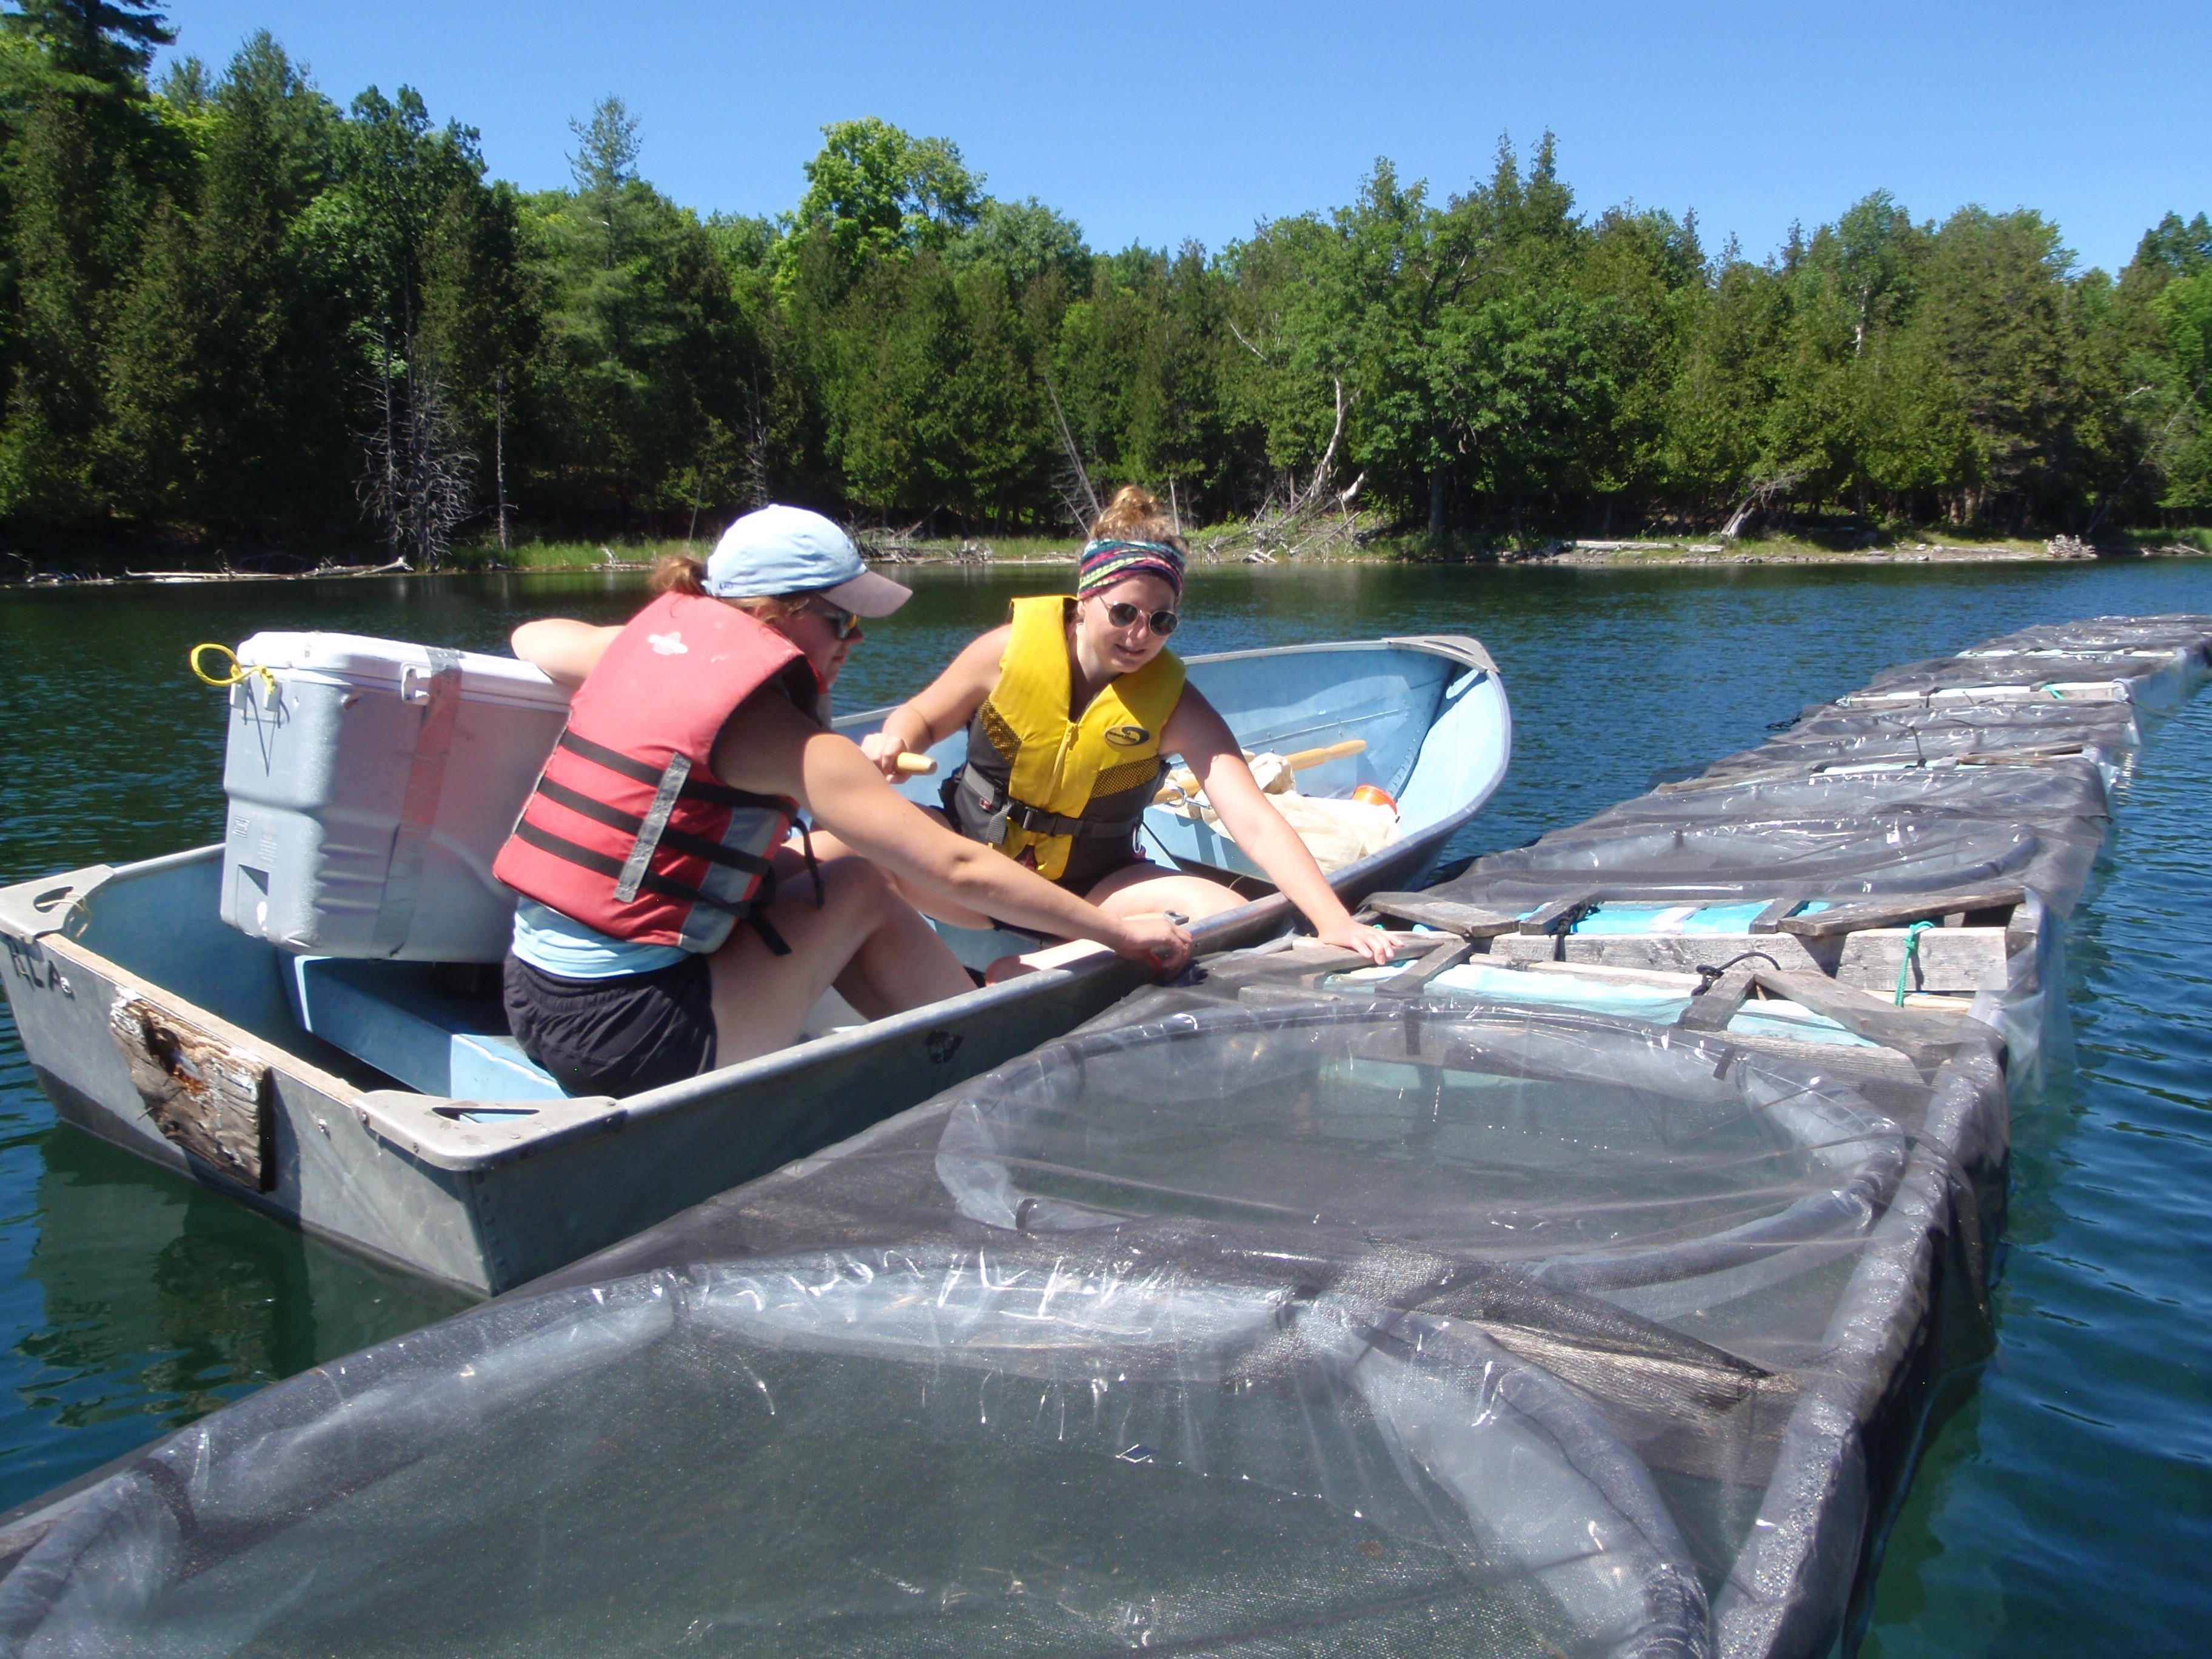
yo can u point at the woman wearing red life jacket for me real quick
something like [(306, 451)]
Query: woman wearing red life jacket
[(667, 925)]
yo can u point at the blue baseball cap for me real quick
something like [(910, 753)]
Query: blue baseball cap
[(787, 549)]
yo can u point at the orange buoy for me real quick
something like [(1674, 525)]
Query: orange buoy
[(1374, 795)]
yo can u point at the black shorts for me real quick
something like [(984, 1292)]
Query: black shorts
[(615, 1037)]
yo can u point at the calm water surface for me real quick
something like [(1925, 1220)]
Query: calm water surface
[(2065, 1508)]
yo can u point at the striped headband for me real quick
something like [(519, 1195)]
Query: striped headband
[(1106, 562)]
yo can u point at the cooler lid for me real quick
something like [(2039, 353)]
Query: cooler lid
[(358, 659)]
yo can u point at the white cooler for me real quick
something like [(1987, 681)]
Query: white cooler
[(371, 783)]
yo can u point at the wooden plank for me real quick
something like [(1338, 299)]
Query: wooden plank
[(1557, 917), (1676, 953), (1410, 982), (1885, 1063), (208, 1096), (1888, 911), (1946, 960), (1925, 1038), (1770, 919), (1468, 920), (1711, 1010)]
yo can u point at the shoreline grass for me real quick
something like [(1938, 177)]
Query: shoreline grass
[(1218, 546), (1232, 545)]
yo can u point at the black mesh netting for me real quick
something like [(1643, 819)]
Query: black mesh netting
[(1400, 1326)]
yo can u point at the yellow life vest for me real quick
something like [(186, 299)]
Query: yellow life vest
[(1038, 778)]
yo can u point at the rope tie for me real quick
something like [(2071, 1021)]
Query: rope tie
[(1911, 950), (239, 674)]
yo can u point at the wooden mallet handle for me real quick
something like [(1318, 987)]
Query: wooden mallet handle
[(1306, 757)]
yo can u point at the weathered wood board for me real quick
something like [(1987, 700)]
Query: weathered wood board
[(209, 1096), (1949, 960)]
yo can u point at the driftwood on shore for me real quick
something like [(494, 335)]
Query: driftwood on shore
[(395, 566)]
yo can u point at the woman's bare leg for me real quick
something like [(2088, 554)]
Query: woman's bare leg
[(1135, 890), (883, 958)]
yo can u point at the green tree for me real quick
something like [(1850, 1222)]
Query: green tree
[(81, 149), (1024, 242), (874, 191), (105, 44), (225, 410), (1994, 304), (645, 350)]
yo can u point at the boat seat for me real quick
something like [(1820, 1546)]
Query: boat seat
[(403, 1018)]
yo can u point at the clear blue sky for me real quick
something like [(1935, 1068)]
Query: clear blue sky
[(1154, 123)]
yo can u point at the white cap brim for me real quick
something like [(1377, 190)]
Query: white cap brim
[(868, 595)]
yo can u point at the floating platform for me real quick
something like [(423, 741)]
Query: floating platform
[(1579, 1284)]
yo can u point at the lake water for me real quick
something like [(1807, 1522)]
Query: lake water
[(2066, 1507)]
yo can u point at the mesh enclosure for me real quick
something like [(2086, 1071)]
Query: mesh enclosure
[(1917, 829), (2105, 734), (1066, 1361), (938, 1448), (1507, 1301), (1859, 798)]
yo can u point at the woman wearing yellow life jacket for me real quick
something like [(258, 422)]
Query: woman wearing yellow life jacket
[(1070, 708), (666, 925)]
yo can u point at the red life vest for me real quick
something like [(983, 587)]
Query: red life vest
[(627, 831)]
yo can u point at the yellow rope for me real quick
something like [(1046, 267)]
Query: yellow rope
[(239, 671)]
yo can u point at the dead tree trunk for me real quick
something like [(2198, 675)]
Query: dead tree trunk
[(499, 445)]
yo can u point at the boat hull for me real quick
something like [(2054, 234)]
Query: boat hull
[(483, 1194)]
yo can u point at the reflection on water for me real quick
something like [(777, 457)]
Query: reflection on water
[(2084, 1461), (146, 1301), (130, 1302)]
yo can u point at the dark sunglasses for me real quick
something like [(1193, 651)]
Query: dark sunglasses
[(843, 622), (1122, 614)]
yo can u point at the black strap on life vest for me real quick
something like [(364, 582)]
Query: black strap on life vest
[(681, 841), (718, 794), (1037, 821), (676, 841), (749, 912)]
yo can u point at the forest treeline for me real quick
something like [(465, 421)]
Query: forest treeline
[(229, 306)]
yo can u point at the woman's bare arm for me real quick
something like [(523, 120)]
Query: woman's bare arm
[(564, 651), (946, 705), (770, 748), (1197, 733)]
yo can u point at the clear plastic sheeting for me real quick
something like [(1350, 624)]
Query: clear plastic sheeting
[(1722, 860), (2105, 735), (1881, 794), (1914, 830), (935, 1449), (1349, 1323), (1593, 1154)]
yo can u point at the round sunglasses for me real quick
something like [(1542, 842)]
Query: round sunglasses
[(1122, 614)]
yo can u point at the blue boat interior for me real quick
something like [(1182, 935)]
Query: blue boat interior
[(413, 1021), (159, 921), (1428, 742)]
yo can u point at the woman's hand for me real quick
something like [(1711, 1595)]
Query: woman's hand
[(885, 747), (1369, 942), (1157, 941)]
